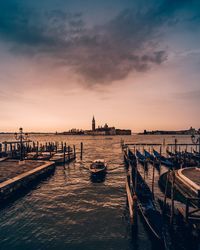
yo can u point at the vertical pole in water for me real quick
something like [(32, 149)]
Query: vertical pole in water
[(15, 149), (5, 147), (81, 151), (56, 146), (172, 197), (199, 151), (165, 197), (175, 143), (62, 146), (135, 180), (0, 150), (37, 148), (50, 150), (68, 149), (153, 178), (74, 151), (64, 150)]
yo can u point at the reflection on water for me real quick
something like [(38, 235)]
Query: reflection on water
[(69, 210)]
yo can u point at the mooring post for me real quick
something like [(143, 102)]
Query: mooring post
[(81, 151), (172, 197), (64, 150), (15, 153), (153, 178), (0, 150), (62, 146), (135, 177), (68, 149), (50, 150), (56, 146), (165, 197), (5, 148), (74, 151), (37, 148), (175, 145)]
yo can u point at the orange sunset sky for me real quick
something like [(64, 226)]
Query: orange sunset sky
[(132, 64)]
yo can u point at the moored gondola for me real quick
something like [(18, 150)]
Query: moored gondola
[(141, 159), (163, 159)]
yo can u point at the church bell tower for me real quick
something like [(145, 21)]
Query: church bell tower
[(93, 124)]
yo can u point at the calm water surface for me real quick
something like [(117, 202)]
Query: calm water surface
[(69, 211)]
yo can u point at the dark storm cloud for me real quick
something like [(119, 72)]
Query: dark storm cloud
[(102, 54)]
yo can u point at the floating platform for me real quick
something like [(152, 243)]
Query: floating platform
[(16, 176)]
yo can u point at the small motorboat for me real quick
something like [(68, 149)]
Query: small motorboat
[(98, 167)]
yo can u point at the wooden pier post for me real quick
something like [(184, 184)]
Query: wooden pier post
[(153, 177), (56, 146), (74, 151), (165, 197), (81, 151), (64, 150), (68, 149), (175, 145), (172, 197), (5, 148), (37, 149)]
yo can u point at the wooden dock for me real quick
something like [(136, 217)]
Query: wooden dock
[(16, 176)]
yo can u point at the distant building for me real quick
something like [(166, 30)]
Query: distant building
[(163, 132), (123, 132), (93, 124), (100, 130), (106, 130)]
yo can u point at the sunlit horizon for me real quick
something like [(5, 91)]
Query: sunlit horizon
[(132, 64)]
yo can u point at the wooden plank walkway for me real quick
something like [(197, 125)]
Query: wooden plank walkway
[(15, 175)]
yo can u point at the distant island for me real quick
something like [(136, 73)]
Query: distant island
[(170, 132), (100, 130)]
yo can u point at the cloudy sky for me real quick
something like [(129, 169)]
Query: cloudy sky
[(132, 63)]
